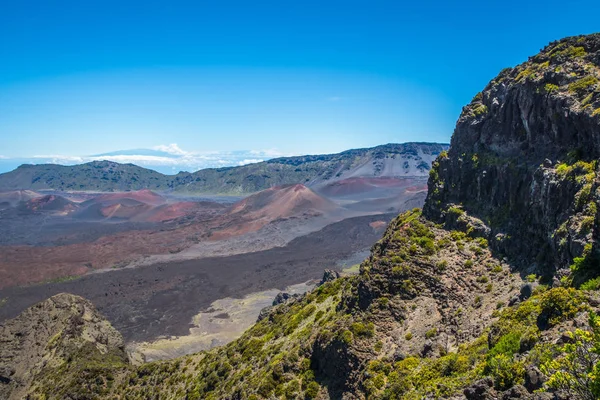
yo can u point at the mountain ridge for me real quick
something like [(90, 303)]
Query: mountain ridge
[(413, 160)]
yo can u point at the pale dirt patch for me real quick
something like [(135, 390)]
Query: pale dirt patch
[(224, 321)]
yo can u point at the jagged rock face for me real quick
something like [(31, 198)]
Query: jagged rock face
[(328, 276), (522, 157), (48, 335)]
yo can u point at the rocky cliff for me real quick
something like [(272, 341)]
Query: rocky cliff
[(450, 303), (523, 157)]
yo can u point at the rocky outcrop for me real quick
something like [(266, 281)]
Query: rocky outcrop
[(280, 298), (523, 157), (328, 276), (49, 335)]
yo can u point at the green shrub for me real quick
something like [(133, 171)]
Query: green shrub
[(577, 369), (360, 329), (427, 244), (468, 263), (506, 371), (561, 303), (482, 242), (400, 270), (583, 83), (347, 337), (383, 302), (458, 236), (431, 333), (480, 109), (408, 336), (455, 211), (592, 284), (507, 345), (570, 52), (441, 266), (497, 269), (312, 391), (531, 278), (587, 223), (319, 314)]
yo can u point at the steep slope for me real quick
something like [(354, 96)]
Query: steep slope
[(48, 203), (270, 206), (65, 335), (120, 206), (524, 156), (282, 202), (405, 160), (143, 196), (442, 308)]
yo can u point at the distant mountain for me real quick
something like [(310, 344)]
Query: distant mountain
[(93, 176), (390, 160), (136, 152)]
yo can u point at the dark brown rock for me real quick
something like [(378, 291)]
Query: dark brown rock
[(534, 379), (328, 276), (481, 390)]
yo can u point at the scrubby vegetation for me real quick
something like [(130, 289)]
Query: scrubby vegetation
[(577, 370)]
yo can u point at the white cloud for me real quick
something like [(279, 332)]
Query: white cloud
[(271, 153), (172, 148), (59, 159), (135, 159), (250, 161), (172, 158)]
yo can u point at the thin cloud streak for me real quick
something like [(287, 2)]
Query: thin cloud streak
[(167, 158)]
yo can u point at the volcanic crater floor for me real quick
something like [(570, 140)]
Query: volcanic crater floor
[(157, 301)]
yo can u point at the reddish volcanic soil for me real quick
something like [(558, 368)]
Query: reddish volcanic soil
[(21, 265), (262, 208), (143, 196), (13, 197), (140, 206), (378, 224), (50, 203), (282, 202), (167, 212)]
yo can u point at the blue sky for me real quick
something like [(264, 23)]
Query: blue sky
[(82, 78)]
